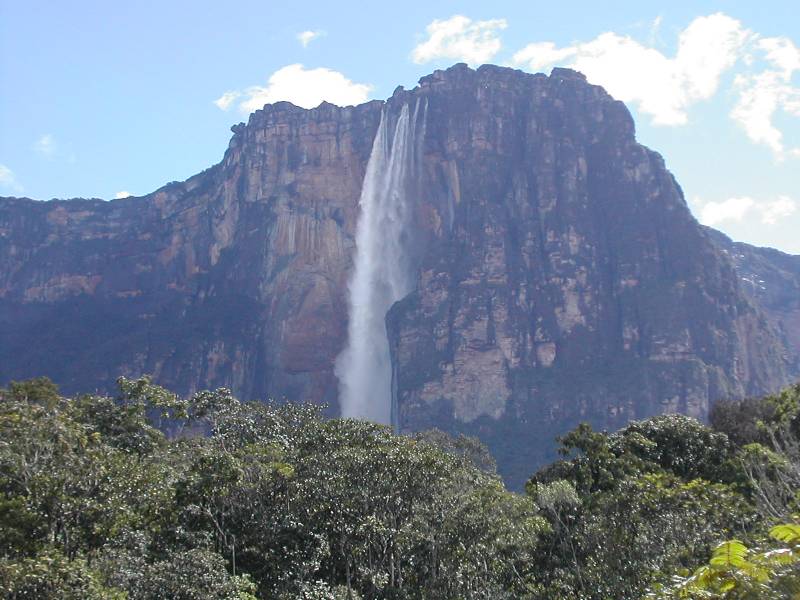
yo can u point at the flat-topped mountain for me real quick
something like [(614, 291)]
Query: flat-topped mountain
[(556, 272)]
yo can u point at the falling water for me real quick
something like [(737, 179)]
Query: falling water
[(382, 271)]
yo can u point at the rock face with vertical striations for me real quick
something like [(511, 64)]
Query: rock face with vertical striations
[(565, 279), (236, 277), (559, 275)]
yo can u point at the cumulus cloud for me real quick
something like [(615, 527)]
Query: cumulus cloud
[(45, 145), (732, 209), (308, 36), (662, 87), (122, 194), (298, 85), (735, 209), (462, 39), (8, 180), (665, 87), (781, 53), (763, 95)]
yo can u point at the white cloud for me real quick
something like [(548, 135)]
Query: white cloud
[(732, 209), (660, 86), (227, 99), (45, 145), (782, 53), (778, 209), (8, 180), (760, 98), (736, 209), (298, 85), (306, 37), (539, 55), (763, 95), (666, 87), (122, 194), (462, 39)]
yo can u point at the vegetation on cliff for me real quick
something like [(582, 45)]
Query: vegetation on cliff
[(253, 500)]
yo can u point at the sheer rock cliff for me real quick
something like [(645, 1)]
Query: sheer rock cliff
[(560, 276)]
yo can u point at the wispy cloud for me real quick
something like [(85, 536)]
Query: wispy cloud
[(227, 100), (462, 39), (8, 180), (122, 194), (45, 145), (308, 36), (303, 87), (655, 30)]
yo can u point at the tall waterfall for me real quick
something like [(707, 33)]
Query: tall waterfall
[(383, 273)]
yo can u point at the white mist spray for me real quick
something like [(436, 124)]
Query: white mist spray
[(382, 270)]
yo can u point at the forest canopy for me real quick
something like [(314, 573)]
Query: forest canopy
[(148, 496)]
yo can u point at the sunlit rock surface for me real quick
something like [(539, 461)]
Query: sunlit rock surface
[(559, 274)]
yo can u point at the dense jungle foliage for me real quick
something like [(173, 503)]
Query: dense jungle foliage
[(256, 500)]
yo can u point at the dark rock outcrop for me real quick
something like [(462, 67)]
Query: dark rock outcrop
[(561, 276)]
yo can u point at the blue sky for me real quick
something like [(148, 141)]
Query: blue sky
[(100, 98)]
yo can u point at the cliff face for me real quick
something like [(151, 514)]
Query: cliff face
[(559, 274), (565, 279), (236, 277)]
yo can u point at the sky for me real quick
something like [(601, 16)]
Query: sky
[(105, 99)]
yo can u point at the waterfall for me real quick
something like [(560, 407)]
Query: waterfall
[(383, 273)]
